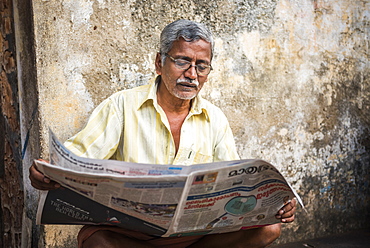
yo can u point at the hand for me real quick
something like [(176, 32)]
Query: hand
[(286, 213), (40, 181)]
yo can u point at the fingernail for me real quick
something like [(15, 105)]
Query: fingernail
[(46, 180), (57, 185)]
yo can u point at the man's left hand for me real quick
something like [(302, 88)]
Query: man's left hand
[(286, 213)]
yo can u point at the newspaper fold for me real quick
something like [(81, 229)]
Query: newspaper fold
[(161, 200)]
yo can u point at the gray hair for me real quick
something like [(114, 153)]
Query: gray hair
[(188, 30)]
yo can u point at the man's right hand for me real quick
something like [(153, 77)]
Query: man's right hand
[(40, 181)]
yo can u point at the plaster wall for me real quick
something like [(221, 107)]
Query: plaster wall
[(291, 75)]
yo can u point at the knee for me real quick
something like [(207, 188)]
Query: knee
[(100, 239), (274, 232), (261, 237), (270, 234)]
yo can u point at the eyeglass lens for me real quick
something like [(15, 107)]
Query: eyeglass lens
[(202, 69)]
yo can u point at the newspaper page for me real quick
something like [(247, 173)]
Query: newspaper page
[(161, 200), (245, 195)]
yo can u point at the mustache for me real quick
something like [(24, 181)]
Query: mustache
[(187, 80)]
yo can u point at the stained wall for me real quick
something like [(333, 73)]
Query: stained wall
[(292, 76), (11, 180)]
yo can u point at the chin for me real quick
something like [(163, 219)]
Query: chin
[(185, 96)]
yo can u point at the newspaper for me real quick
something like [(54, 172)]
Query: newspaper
[(161, 200)]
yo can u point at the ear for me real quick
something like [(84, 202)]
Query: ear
[(158, 64)]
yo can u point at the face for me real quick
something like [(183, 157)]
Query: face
[(182, 84)]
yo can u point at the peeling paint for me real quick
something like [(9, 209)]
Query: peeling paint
[(80, 12)]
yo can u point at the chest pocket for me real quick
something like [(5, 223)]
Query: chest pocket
[(187, 156), (200, 158)]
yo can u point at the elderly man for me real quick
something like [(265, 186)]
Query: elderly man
[(165, 122)]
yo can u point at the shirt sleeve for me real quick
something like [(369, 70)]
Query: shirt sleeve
[(225, 149), (100, 137)]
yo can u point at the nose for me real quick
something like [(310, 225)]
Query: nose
[(191, 72)]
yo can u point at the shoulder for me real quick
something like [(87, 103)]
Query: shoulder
[(143, 89), (215, 114), (136, 94)]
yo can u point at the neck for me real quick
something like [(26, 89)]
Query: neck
[(171, 103)]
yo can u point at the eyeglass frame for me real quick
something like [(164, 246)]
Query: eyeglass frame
[(190, 65)]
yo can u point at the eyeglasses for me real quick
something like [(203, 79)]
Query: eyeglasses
[(202, 69)]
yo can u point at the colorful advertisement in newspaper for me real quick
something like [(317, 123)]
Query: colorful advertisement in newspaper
[(233, 198)]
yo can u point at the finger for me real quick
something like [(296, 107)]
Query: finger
[(35, 175), (288, 220), (288, 214), (290, 205), (45, 186), (281, 214), (42, 186), (293, 202), (287, 210), (283, 211), (40, 181)]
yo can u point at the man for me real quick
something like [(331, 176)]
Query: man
[(165, 122)]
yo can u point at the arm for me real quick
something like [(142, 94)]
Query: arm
[(101, 135), (224, 149), (98, 139)]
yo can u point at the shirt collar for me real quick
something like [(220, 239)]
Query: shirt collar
[(198, 105)]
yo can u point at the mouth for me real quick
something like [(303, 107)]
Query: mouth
[(188, 84), (187, 87)]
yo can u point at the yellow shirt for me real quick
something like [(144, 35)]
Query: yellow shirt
[(131, 126)]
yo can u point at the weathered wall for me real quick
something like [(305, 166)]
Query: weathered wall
[(28, 107), (291, 75), (11, 181)]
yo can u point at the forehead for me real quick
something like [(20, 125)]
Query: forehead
[(199, 49)]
